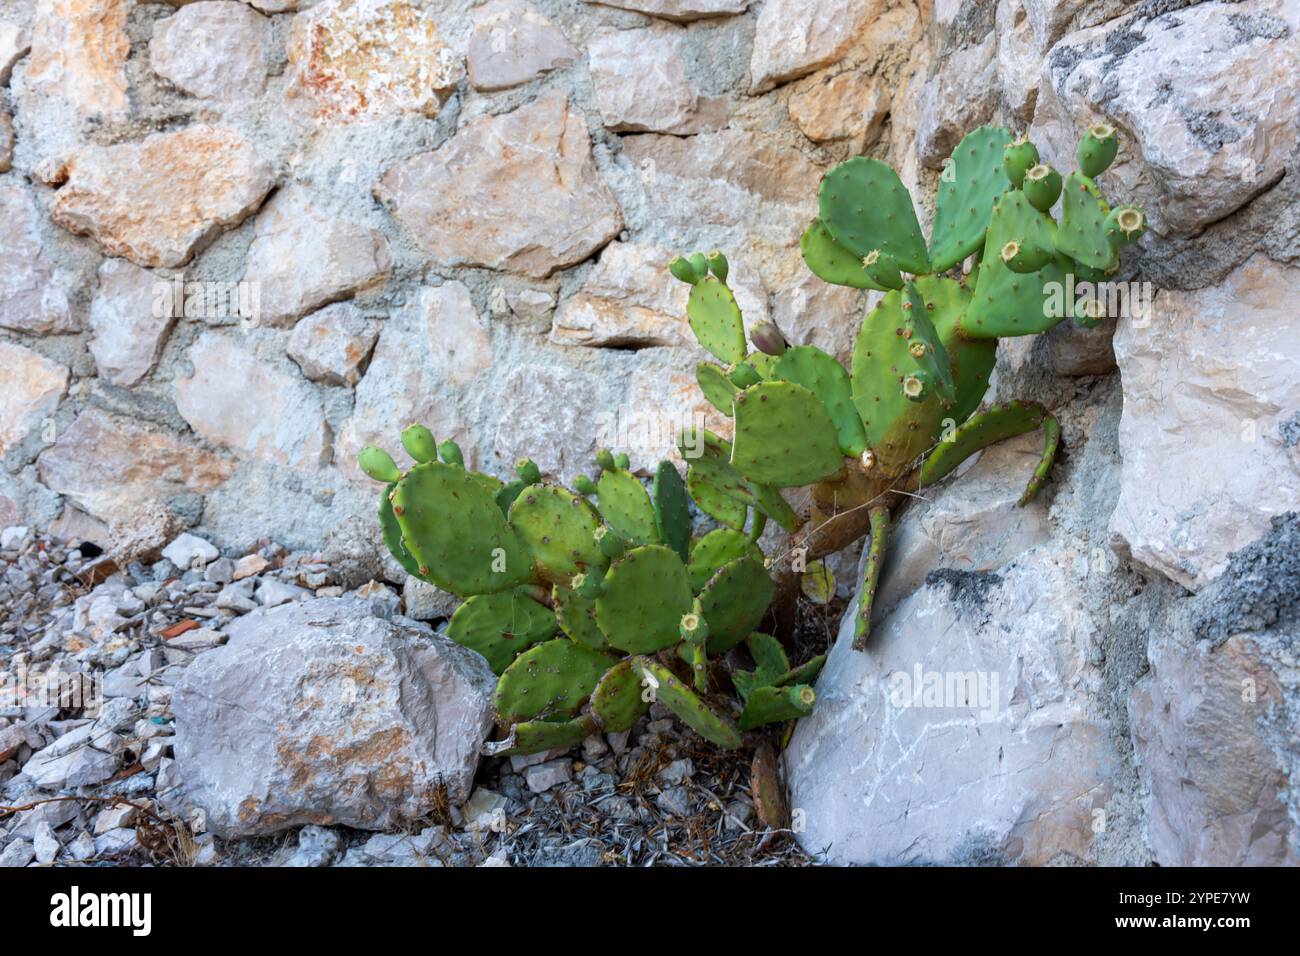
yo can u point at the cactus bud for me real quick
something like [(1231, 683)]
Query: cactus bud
[(528, 471), (767, 338), (584, 485), (1125, 224), (882, 270), (605, 458), (1017, 158), (917, 386), (622, 461), (1097, 149), (682, 269), (699, 265), (1023, 258), (1042, 186), (449, 452), (718, 265), (744, 375), (378, 464), (420, 443)]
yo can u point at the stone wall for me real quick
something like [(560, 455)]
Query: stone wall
[(461, 214)]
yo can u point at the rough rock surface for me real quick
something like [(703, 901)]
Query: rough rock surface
[(78, 55), (641, 82), (332, 346), (482, 199), (213, 49), (32, 297), (260, 747), (30, 390), (514, 43), (195, 183), (130, 322), (796, 37)]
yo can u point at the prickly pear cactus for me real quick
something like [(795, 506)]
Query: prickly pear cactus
[(906, 413), (589, 604)]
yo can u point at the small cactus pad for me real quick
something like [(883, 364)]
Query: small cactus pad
[(769, 657), (710, 461), (715, 319), (392, 533), (626, 507), (830, 261), (617, 701), (453, 528), (883, 269), (450, 453), (865, 206), (925, 346), (734, 601), (1007, 302), (645, 595), (719, 547), (577, 617), (556, 677), (538, 736), (993, 425), (379, 465), (715, 385), (501, 626), (971, 182), (420, 443), (715, 502), (507, 493), (1082, 232), (775, 705), (784, 436), (687, 705), (557, 526), (818, 372), (1097, 149), (672, 509)]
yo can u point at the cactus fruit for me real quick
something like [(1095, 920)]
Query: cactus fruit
[(717, 263), (450, 453), (767, 338), (1097, 149), (1017, 158), (1125, 224), (378, 464), (1042, 187)]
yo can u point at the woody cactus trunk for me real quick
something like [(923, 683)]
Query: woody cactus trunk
[(856, 442)]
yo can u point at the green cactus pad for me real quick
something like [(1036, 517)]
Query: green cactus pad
[(507, 493), (420, 443), (715, 385), (672, 509), (715, 502), (993, 425), (805, 673), (763, 364), (897, 429), (556, 677), (711, 463), (501, 626), (830, 261), (715, 319), (645, 595), (379, 465), (775, 705), (392, 533), (818, 372), (970, 184), (687, 705), (769, 657), (734, 601), (1007, 302), (1082, 231), (883, 269), (744, 375), (453, 528), (617, 700), (557, 526), (577, 617), (925, 346), (538, 736), (719, 547), (528, 471), (865, 206), (784, 436), (626, 507)]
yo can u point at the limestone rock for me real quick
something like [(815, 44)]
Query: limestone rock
[(518, 191), (847, 106), (1205, 101), (33, 298), (630, 299), (303, 258), (108, 465), (556, 435), (663, 398), (322, 713), (159, 200), (1211, 380), (6, 142), (227, 398), (965, 733), (513, 43), (809, 311), (30, 389), (332, 345), (640, 81), (363, 59), (15, 43), (78, 55), (129, 334), (213, 49), (679, 9), (796, 37), (960, 97), (460, 346)]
